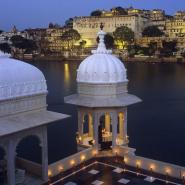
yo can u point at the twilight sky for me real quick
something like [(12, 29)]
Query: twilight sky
[(38, 13)]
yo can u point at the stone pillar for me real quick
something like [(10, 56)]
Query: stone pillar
[(11, 163), (90, 125), (95, 129), (125, 124), (107, 122), (114, 128), (121, 126), (44, 145)]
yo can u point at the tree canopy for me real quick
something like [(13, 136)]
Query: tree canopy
[(52, 25), (70, 36), (96, 13), (152, 31), (119, 10), (109, 41), (1, 31), (69, 23), (23, 43), (5, 47), (169, 47), (123, 35)]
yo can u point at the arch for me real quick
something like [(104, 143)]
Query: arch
[(85, 123), (29, 148), (105, 131), (105, 121), (87, 127)]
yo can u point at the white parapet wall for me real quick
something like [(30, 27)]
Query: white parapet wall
[(71, 161), (155, 166)]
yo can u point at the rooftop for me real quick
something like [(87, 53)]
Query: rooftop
[(24, 121), (110, 171)]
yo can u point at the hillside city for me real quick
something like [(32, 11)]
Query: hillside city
[(131, 32)]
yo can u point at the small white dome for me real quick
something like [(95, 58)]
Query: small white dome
[(18, 79), (102, 66)]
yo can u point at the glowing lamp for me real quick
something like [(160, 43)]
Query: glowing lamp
[(72, 162), (82, 158)]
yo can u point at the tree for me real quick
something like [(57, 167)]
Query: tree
[(152, 48), (70, 37), (152, 31), (23, 43), (69, 23), (1, 31), (109, 41), (123, 35), (169, 48), (5, 47), (119, 11), (51, 25), (96, 13), (82, 44)]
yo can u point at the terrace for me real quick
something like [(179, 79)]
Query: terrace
[(110, 170)]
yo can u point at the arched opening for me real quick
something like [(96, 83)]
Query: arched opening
[(28, 159), (105, 131), (86, 124), (87, 129), (3, 167)]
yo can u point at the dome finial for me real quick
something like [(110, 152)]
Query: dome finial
[(101, 45)]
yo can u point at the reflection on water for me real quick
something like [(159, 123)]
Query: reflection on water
[(156, 126), (66, 76)]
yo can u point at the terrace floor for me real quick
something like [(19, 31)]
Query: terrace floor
[(108, 172)]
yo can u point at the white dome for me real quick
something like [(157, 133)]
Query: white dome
[(18, 79), (102, 66)]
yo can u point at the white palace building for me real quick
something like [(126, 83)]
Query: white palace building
[(102, 100)]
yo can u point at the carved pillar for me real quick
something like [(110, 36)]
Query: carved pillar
[(44, 145), (90, 125), (125, 124), (11, 163), (121, 126), (95, 128), (114, 128), (107, 122)]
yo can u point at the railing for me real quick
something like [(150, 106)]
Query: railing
[(155, 166), (71, 161), (29, 166)]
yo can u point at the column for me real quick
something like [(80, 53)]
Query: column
[(125, 124), (11, 163), (121, 125), (90, 125), (95, 129), (44, 145), (114, 128), (107, 122)]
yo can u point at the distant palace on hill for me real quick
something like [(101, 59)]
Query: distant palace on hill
[(57, 39)]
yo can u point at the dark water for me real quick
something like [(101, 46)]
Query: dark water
[(156, 127)]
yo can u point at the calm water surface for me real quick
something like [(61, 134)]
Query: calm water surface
[(156, 127)]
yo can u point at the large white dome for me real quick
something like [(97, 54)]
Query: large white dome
[(18, 79), (102, 66)]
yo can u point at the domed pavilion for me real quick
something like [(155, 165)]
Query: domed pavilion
[(23, 113), (102, 99)]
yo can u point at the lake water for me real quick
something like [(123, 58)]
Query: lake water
[(156, 127)]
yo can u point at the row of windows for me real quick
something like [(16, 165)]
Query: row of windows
[(97, 25), (105, 19)]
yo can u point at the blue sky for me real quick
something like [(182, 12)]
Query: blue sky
[(38, 13)]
